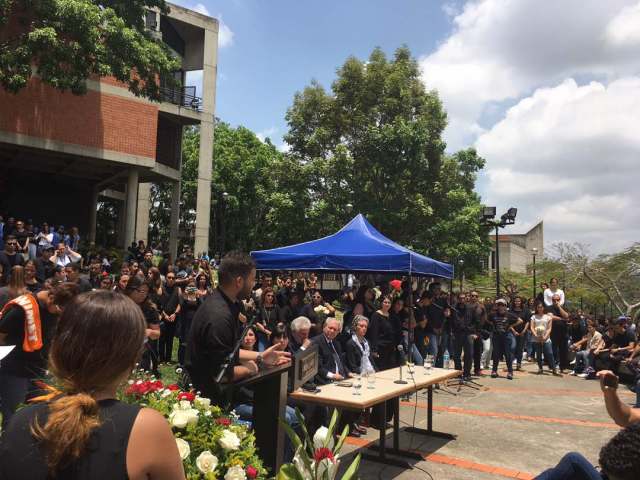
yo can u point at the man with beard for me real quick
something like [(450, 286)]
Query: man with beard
[(216, 330)]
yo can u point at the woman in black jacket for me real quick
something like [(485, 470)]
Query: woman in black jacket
[(360, 361), (359, 355)]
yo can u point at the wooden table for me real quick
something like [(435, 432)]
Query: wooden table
[(386, 389)]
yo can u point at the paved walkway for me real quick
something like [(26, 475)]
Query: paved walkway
[(506, 429)]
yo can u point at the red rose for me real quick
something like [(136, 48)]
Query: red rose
[(173, 387), (251, 472), (157, 385), (187, 396), (223, 421), (322, 453)]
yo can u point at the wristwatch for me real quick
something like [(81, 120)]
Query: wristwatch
[(259, 360)]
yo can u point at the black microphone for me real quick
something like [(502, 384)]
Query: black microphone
[(401, 350)]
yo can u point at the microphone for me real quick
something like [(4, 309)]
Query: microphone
[(400, 380)]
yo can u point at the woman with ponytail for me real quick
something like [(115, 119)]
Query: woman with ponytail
[(85, 433)]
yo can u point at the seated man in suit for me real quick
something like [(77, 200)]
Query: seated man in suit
[(332, 367)]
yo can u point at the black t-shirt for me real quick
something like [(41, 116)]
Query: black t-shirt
[(18, 362), (525, 315), (213, 335), (269, 317), (188, 309), (501, 323), (168, 301), (624, 339), (560, 327), (21, 237), (8, 262)]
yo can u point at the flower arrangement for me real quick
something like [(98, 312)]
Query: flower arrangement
[(212, 444), (317, 458)]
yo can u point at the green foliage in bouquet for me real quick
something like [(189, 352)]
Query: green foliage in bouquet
[(317, 458), (212, 443)]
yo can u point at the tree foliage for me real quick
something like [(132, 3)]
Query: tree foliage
[(68, 41), (375, 142), (266, 193)]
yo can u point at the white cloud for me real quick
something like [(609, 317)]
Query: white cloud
[(200, 8), (268, 133), (500, 50), (624, 28), (225, 35), (570, 155)]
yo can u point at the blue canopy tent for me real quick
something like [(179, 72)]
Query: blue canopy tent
[(357, 247)]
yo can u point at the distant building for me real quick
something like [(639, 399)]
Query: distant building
[(516, 251), (61, 153)]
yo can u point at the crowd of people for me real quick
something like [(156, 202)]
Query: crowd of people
[(205, 306)]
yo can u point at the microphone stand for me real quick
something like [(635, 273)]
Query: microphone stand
[(400, 381), (229, 360)]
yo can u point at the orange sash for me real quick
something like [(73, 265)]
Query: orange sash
[(32, 325)]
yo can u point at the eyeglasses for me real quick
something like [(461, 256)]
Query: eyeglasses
[(171, 278)]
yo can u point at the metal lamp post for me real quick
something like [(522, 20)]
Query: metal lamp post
[(461, 263), (225, 197), (534, 250), (488, 219)]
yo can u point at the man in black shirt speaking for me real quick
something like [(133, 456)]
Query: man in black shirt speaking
[(503, 334), (216, 329)]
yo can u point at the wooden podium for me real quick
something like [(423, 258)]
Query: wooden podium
[(269, 404)]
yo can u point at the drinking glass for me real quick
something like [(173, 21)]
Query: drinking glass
[(357, 384), (371, 380), (428, 363)]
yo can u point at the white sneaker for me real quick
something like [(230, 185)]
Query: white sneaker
[(583, 375), (574, 373)]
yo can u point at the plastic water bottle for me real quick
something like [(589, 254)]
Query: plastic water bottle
[(445, 359)]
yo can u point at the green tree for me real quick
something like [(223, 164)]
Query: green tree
[(375, 141), (67, 41), (266, 193)]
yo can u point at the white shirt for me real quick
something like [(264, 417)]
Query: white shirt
[(541, 320), (548, 296)]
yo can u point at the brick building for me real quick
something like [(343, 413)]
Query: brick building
[(516, 251), (59, 152)]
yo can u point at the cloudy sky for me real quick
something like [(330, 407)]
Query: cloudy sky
[(548, 92)]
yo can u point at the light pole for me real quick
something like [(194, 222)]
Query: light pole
[(225, 197), (534, 250), (461, 263), (488, 219)]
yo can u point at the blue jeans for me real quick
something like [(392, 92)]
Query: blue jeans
[(584, 360), (573, 466), (432, 348), (502, 346), (548, 354), (245, 412)]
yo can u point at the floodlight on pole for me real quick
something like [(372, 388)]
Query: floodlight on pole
[(488, 219)]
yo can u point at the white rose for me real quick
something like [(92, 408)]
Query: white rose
[(235, 473), (203, 402), (183, 448), (319, 309), (178, 419), (229, 440), (207, 413), (184, 405), (206, 462), (166, 392), (192, 416), (320, 436)]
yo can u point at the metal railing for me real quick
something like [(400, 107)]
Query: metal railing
[(183, 96)]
